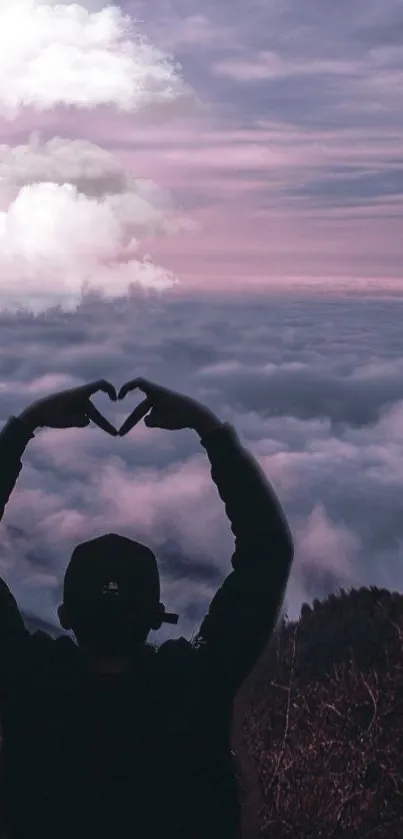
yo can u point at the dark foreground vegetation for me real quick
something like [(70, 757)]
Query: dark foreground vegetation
[(321, 718)]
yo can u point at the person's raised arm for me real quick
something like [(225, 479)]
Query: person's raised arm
[(14, 438), (65, 409), (244, 611)]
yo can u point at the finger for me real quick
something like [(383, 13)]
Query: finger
[(99, 420), (139, 412), (101, 384), (143, 384)]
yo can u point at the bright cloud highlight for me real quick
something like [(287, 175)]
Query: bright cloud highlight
[(52, 54), (74, 220)]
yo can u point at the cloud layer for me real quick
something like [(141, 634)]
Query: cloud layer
[(316, 400)]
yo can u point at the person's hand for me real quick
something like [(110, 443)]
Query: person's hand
[(70, 409), (168, 410)]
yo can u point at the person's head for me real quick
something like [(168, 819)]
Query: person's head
[(111, 595)]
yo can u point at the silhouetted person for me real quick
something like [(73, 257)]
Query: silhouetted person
[(111, 736)]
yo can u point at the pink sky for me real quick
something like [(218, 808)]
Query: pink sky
[(291, 171)]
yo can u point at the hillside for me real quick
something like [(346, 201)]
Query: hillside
[(322, 719)]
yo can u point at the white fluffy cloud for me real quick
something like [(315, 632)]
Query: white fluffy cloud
[(74, 219), (70, 218), (53, 53)]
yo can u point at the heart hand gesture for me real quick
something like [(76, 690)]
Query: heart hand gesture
[(169, 410), (70, 409)]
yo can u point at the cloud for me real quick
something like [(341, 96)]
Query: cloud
[(355, 399), (92, 169), (53, 54), (75, 219), (337, 470), (72, 221), (339, 85), (268, 64), (317, 536), (354, 187), (186, 32)]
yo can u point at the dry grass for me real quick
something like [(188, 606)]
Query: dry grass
[(324, 721)]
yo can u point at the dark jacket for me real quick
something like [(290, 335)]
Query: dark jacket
[(145, 755)]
